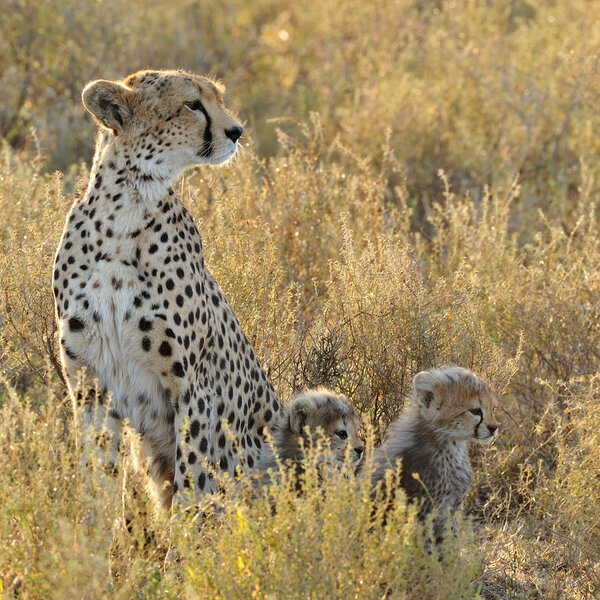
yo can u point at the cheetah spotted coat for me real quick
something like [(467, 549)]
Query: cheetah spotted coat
[(141, 319)]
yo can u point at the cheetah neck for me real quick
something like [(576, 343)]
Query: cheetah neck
[(424, 434), (410, 432), (142, 180)]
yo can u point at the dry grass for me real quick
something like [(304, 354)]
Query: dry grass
[(352, 262)]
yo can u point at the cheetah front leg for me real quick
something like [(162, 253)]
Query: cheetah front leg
[(444, 524), (194, 459), (98, 425)]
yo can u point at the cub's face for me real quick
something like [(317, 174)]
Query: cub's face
[(170, 118), (343, 434), (322, 414), (470, 417), (457, 404)]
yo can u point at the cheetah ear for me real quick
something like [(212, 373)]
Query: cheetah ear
[(301, 408), (424, 383), (109, 102)]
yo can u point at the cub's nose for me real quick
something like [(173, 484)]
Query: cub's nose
[(492, 428), (359, 450), (234, 133)]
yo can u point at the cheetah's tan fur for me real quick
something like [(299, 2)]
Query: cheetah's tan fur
[(141, 319)]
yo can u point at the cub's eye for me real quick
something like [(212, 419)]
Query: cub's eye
[(194, 105), (342, 434), (476, 411)]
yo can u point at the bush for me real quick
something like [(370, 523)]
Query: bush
[(488, 91), (71, 531)]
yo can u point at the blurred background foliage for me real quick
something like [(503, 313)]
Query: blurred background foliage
[(488, 91), (417, 186)]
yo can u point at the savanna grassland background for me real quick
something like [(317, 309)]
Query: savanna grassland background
[(419, 185)]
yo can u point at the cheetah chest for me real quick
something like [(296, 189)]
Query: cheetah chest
[(132, 311)]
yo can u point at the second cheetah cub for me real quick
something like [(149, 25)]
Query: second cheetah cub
[(449, 408), (312, 415)]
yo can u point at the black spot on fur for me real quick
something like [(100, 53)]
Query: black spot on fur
[(145, 325), (69, 352), (165, 349), (76, 324), (177, 369)]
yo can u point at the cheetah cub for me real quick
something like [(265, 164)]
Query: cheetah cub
[(449, 408), (313, 415)]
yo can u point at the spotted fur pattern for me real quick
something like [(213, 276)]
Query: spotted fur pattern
[(143, 324)]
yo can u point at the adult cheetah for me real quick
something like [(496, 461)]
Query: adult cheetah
[(144, 327)]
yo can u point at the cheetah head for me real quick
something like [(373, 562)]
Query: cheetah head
[(457, 404), (174, 118), (320, 414)]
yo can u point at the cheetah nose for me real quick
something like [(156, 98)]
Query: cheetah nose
[(234, 133), (492, 428), (359, 450)]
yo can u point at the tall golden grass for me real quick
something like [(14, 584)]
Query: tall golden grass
[(428, 195)]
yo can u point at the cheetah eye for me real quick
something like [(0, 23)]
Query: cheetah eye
[(476, 411), (194, 105), (342, 434)]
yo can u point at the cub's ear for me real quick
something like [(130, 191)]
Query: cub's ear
[(109, 102), (424, 383), (301, 409)]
